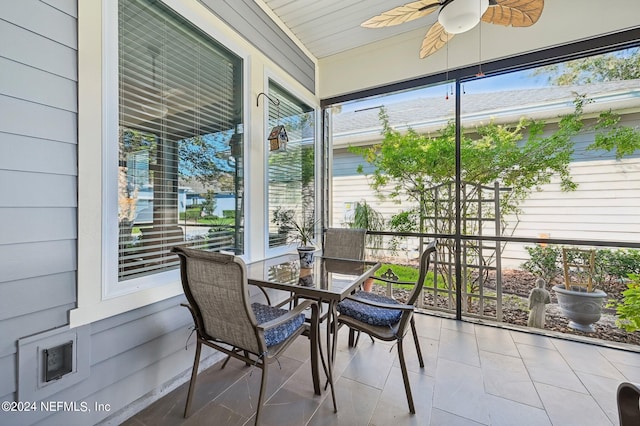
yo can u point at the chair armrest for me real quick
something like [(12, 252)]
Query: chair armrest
[(400, 307), (286, 317), (192, 312), (266, 296)]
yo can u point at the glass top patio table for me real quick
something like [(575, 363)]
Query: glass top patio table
[(329, 279)]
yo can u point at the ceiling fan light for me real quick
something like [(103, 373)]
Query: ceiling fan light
[(458, 16)]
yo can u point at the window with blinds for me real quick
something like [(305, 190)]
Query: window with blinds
[(291, 192), (180, 163)]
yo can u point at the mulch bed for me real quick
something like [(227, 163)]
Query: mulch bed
[(516, 286)]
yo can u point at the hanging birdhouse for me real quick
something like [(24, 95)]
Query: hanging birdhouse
[(278, 139)]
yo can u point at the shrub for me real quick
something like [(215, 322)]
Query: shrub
[(621, 263), (629, 310), (544, 262)]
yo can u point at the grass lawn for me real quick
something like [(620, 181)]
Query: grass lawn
[(216, 221), (405, 273)]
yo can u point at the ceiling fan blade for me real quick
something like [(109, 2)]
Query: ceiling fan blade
[(436, 38), (401, 14), (515, 13)]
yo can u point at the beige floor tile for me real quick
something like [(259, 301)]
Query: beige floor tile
[(473, 375)]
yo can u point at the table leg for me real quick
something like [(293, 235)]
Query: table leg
[(315, 341), (332, 338)]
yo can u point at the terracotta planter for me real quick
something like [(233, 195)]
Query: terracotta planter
[(368, 284), (581, 308)]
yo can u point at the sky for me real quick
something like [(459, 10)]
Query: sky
[(510, 81)]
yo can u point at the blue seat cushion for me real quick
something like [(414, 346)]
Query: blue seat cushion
[(370, 314), (275, 335)]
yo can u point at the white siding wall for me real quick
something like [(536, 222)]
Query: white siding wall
[(604, 207)]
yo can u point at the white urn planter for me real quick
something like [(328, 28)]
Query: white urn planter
[(306, 254), (582, 308)]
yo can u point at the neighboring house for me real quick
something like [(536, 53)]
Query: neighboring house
[(608, 191)]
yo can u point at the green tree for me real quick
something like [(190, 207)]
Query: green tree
[(520, 157), (623, 65), (409, 165), (209, 203)]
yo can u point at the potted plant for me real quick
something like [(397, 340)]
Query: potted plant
[(282, 217), (303, 231), (578, 298), (366, 217)]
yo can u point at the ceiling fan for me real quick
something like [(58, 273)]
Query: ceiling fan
[(458, 16)]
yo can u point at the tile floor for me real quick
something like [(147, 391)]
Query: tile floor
[(474, 375)]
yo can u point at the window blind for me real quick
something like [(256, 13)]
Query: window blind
[(180, 114)]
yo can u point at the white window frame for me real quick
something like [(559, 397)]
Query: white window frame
[(269, 74), (97, 295)]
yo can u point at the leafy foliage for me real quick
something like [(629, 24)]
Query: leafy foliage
[(410, 164), (366, 217), (624, 140), (614, 66), (544, 261), (301, 229), (619, 263), (421, 169), (204, 158), (283, 217), (416, 167), (629, 310), (209, 203)]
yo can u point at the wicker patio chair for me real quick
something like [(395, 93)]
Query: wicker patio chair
[(344, 243), (387, 319), (628, 396), (216, 288), (341, 243)]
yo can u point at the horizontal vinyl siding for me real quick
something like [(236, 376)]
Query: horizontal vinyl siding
[(604, 207), (131, 355), (53, 290), (66, 6), (26, 189), (38, 86), (134, 355), (28, 260), (26, 118), (28, 154), (32, 323), (41, 18), (60, 224), (349, 186), (37, 51), (9, 379), (251, 22), (38, 171)]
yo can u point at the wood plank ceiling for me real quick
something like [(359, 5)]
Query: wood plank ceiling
[(327, 27)]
